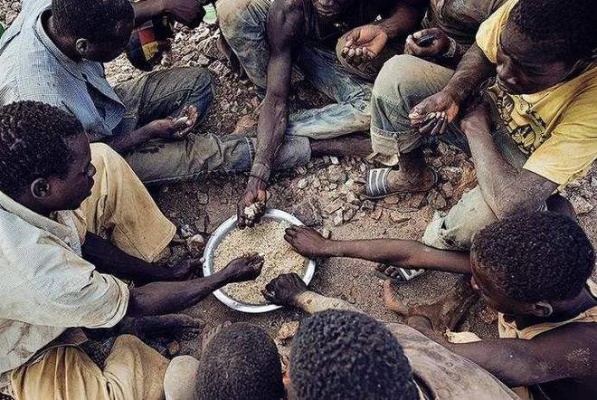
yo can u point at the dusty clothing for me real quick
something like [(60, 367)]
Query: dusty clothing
[(47, 287), (243, 24), (460, 20), (441, 374), (132, 371), (33, 68), (556, 127), (509, 330)]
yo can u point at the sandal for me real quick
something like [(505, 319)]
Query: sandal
[(402, 274), (377, 186)]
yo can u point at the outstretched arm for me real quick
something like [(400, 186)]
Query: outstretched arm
[(187, 12), (403, 253), (284, 27)]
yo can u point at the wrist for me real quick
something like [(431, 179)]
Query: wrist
[(450, 52), (333, 248)]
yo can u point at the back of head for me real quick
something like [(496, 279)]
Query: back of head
[(94, 20), (32, 144), (348, 355), (568, 28), (240, 362), (539, 256)]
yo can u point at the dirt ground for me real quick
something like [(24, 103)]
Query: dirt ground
[(320, 194)]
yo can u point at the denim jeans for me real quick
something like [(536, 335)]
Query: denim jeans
[(164, 93), (403, 82), (243, 24)]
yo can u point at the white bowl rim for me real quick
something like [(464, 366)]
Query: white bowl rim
[(216, 238)]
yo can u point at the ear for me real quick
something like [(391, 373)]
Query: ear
[(82, 46), (40, 188), (542, 309)]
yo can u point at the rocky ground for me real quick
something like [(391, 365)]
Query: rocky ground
[(322, 194)]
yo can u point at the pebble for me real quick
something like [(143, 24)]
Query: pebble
[(377, 213), (326, 233), (287, 331), (448, 190), (397, 217), (302, 183), (173, 348), (333, 186), (196, 244), (186, 231), (367, 205), (203, 61), (333, 206), (202, 198), (594, 182), (218, 68), (336, 174), (581, 205), (348, 214), (316, 183), (436, 200), (338, 218)]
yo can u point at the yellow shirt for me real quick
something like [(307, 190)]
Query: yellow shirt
[(556, 127)]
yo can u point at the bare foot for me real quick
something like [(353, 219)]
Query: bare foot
[(180, 325), (444, 313)]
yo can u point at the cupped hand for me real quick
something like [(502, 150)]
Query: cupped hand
[(252, 204), (284, 289), (245, 268), (173, 128), (187, 12), (363, 44), (437, 47), (307, 241), (432, 115)]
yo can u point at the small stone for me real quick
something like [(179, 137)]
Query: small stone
[(336, 174), (201, 221), (326, 233), (363, 167), (333, 207), (302, 183), (301, 170), (348, 214), (452, 174), (397, 217), (164, 189), (488, 315), (581, 205), (416, 200), (447, 190), (287, 331), (334, 160), (367, 205), (186, 231), (594, 182), (203, 61), (377, 213), (196, 244), (316, 183), (218, 68), (333, 186), (436, 200), (173, 348), (202, 198), (391, 200), (338, 218), (353, 199)]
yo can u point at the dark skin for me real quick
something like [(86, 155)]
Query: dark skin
[(286, 30), (114, 44), (522, 67), (548, 358), (50, 194)]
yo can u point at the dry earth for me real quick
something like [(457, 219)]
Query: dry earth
[(321, 194)]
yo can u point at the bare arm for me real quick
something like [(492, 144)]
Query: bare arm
[(284, 27), (187, 12), (169, 297), (405, 18), (403, 253), (506, 190)]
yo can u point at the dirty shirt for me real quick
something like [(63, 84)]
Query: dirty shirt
[(556, 127), (46, 286), (33, 68)]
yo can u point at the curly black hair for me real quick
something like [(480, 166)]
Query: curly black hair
[(348, 355), (33, 144), (540, 256), (240, 362), (569, 27), (94, 20)]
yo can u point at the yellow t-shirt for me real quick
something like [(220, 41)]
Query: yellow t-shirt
[(557, 127)]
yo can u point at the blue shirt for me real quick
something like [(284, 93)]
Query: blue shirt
[(33, 68)]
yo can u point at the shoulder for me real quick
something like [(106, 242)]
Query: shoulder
[(289, 12)]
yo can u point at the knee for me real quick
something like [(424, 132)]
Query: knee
[(107, 161), (399, 78), (230, 13)]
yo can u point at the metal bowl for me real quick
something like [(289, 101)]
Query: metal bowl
[(219, 234)]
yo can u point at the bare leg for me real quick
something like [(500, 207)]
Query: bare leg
[(354, 145)]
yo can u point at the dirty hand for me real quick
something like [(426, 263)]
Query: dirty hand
[(364, 44), (251, 206), (173, 128), (187, 12), (284, 289), (307, 241), (437, 47), (476, 119), (245, 268), (432, 115)]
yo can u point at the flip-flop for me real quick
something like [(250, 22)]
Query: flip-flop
[(404, 275), (377, 186)]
